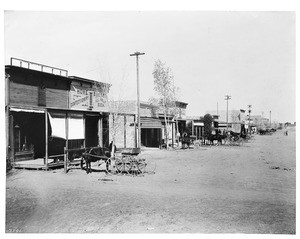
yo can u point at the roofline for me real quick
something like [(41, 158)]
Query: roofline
[(12, 67), (181, 102), (87, 80), (68, 78)]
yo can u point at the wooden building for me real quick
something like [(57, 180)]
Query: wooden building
[(47, 111), (153, 121)]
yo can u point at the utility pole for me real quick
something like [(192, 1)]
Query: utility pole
[(137, 54), (270, 119), (227, 97), (249, 110)]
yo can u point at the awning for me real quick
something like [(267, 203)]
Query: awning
[(26, 110), (150, 123)]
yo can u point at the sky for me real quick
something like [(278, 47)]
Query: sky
[(249, 55)]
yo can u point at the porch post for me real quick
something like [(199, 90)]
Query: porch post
[(67, 143), (7, 128), (124, 131), (46, 139), (11, 138), (192, 127), (173, 131), (100, 131), (7, 122), (135, 132), (84, 131)]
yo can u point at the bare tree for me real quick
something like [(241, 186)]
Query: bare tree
[(163, 86), (175, 110), (116, 107)]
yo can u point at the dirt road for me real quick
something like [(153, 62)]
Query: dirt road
[(214, 189)]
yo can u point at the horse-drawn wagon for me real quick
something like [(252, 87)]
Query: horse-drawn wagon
[(124, 161)]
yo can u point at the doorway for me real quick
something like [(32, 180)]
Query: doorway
[(91, 131)]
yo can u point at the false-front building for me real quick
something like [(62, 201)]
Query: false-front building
[(47, 111)]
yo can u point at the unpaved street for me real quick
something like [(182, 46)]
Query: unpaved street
[(213, 189)]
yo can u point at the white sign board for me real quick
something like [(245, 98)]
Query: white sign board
[(88, 99)]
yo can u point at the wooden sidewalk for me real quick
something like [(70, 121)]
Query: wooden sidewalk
[(37, 164)]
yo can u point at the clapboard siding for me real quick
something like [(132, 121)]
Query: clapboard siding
[(27, 95), (57, 98), (22, 94)]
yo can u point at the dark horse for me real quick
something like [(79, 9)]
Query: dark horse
[(216, 137), (235, 136), (96, 154)]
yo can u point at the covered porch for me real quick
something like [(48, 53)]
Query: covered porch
[(38, 137)]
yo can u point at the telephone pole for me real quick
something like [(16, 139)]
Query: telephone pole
[(137, 54), (270, 119), (227, 97)]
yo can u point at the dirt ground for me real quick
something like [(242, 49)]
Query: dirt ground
[(213, 189)]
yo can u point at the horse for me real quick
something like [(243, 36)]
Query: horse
[(94, 155), (211, 138), (234, 136), (186, 141), (218, 137), (221, 137)]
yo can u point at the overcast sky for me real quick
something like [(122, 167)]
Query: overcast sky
[(248, 55)]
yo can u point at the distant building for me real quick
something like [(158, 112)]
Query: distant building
[(259, 122), (236, 119), (196, 125), (153, 121)]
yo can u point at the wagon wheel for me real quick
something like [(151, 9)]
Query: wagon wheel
[(137, 166), (141, 164), (240, 141), (108, 166), (232, 141), (127, 164), (148, 165), (134, 169), (116, 165), (226, 141)]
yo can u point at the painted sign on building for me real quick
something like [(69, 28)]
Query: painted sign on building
[(87, 98)]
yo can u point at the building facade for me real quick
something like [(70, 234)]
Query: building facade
[(47, 111), (153, 126), (236, 120)]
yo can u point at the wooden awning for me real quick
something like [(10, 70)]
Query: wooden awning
[(150, 123)]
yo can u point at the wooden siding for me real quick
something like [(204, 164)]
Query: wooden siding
[(27, 95), (151, 123), (57, 98), (21, 94)]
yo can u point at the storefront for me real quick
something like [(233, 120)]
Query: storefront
[(47, 112), (151, 132)]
